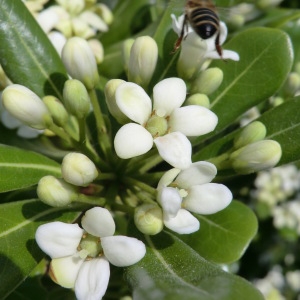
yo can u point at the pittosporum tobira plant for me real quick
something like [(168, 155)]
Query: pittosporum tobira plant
[(139, 152)]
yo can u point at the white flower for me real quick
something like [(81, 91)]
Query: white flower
[(190, 190), (166, 124), (193, 46), (80, 257)]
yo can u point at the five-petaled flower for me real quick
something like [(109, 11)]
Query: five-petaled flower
[(183, 191), (81, 257), (167, 124)]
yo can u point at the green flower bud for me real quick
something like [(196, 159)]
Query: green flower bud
[(198, 99), (97, 49), (57, 110), (26, 106), (255, 131), (256, 157), (80, 61), (142, 61), (78, 169), (56, 192), (292, 85), (76, 98), (207, 81), (110, 92), (126, 48), (148, 218), (105, 13)]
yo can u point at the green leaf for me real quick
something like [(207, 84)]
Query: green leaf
[(21, 168), (223, 237), (26, 54), (19, 251), (265, 60), (172, 270), (283, 126)]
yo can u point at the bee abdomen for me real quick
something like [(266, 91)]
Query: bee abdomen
[(205, 22)]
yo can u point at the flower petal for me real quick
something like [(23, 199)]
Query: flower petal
[(99, 222), (64, 270), (175, 149), (207, 198), (198, 173), (92, 280), (168, 94), (226, 54), (170, 201), (193, 120), (132, 140), (123, 251), (58, 239), (134, 102), (168, 178), (183, 223)]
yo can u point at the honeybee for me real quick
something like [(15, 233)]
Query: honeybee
[(202, 16)]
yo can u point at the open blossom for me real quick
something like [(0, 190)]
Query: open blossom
[(183, 191), (81, 257), (165, 123), (193, 46)]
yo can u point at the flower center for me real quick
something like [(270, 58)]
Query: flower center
[(90, 246), (157, 125)]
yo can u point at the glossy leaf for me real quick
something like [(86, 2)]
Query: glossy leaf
[(223, 237), (19, 251), (265, 59), (21, 168), (26, 54), (165, 273)]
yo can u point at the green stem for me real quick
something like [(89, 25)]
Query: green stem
[(141, 185), (103, 137), (98, 201), (82, 131), (123, 208), (59, 132), (221, 162), (104, 176)]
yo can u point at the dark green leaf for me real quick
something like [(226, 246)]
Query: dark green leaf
[(21, 168), (171, 270), (265, 60), (19, 251), (223, 237), (26, 53)]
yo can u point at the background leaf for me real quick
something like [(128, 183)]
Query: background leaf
[(223, 237), (265, 60), (19, 253), (26, 54), (21, 168), (165, 273)]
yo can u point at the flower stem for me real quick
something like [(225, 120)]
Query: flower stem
[(99, 201), (222, 161), (141, 185)]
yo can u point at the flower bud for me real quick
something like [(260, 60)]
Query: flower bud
[(80, 61), (97, 49), (126, 48), (26, 106), (56, 192), (142, 61), (292, 85), (255, 131), (266, 4), (78, 169), (110, 97), (256, 157), (57, 110), (76, 98), (105, 13), (198, 99), (207, 81), (148, 218), (74, 7)]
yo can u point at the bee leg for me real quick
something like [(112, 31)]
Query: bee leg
[(179, 40), (218, 46)]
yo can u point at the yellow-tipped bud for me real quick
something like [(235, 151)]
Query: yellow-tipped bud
[(142, 62), (256, 157), (80, 61), (76, 98), (255, 131), (148, 218), (26, 106), (56, 192), (198, 99), (207, 81), (78, 169), (110, 97), (57, 110)]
